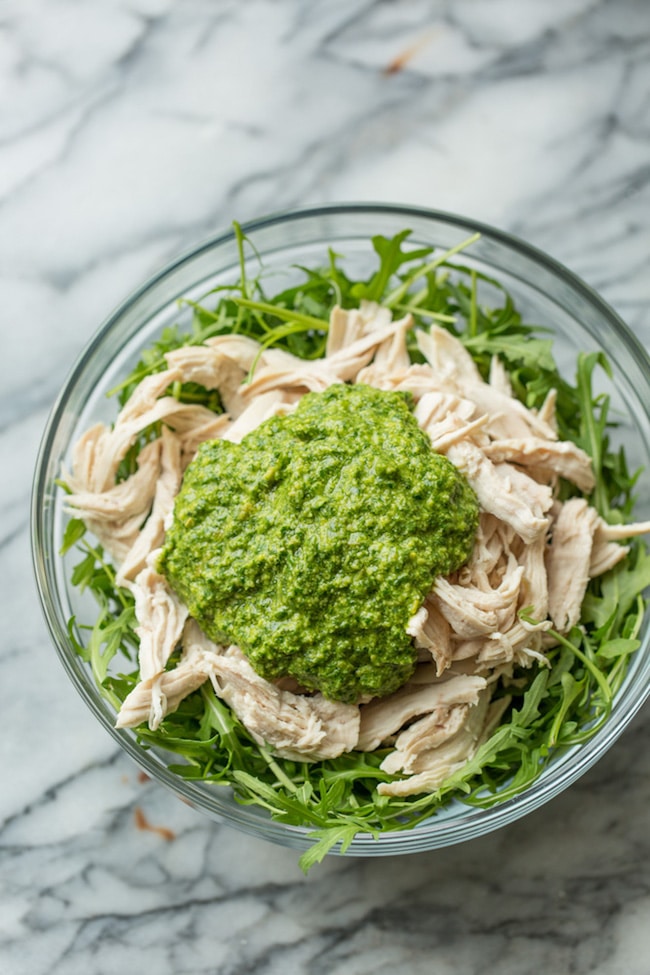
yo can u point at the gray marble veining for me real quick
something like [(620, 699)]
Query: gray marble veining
[(130, 129)]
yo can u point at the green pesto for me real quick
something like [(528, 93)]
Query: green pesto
[(312, 543)]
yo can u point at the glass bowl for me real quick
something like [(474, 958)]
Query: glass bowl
[(547, 294)]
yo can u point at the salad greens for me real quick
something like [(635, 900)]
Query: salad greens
[(552, 707)]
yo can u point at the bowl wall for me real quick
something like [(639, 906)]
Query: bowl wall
[(545, 292)]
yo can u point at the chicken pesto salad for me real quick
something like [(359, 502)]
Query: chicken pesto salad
[(359, 549)]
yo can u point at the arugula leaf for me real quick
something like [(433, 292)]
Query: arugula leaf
[(326, 840), (74, 532), (532, 700), (534, 353), (611, 601), (618, 647), (391, 258), (106, 639)]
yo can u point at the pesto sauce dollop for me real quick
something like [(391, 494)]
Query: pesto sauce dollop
[(312, 542)]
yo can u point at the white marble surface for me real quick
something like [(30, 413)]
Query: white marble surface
[(130, 129)]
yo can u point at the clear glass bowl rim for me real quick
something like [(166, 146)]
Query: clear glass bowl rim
[(435, 832)]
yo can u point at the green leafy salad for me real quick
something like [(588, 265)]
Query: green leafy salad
[(359, 549)]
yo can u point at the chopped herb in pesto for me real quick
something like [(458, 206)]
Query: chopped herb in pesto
[(313, 542)]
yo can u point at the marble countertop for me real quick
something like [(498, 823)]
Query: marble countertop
[(130, 129)]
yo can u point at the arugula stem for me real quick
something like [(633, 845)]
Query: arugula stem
[(281, 331), (424, 313), (277, 771), (239, 237), (586, 365), (473, 316), (396, 296), (197, 306), (595, 672), (288, 314)]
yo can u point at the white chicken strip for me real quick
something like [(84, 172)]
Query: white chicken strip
[(490, 550), (116, 538), (425, 750), (111, 449), (509, 418), (431, 632), (240, 348), (161, 617), (499, 378), (172, 686), (169, 689), (553, 457), (472, 611), (615, 533), (521, 644), (499, 490), (392, 354), (567, 561), (212, 367), (383, 717), (259, 409), (454, 367), (128, 499), (146, 394), (546, 412), (447, 418), (115, 516), (605, 555), (152, 535), (539, 497), (85, 453), (203, 364), (305, 728), (303, 376), (534, 583), (422, 740), (437, 407), (606, 552), (466, 619), (347, 326), (444, 435), (316, 375), (448, 357), (192, 438)]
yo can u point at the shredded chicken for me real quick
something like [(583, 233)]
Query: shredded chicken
[(555, 457), (499, 378), (161, 616), (297, 726), (152, 535), (383, 717), (435, 747), (254, 413), (163, 692), (532, 552), (292, 373), (568, 560), (432, 634), (503, 491), (116, 514)]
